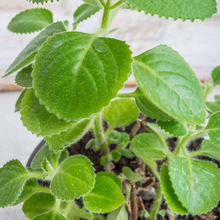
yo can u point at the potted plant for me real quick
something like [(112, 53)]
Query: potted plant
[(71, 86)]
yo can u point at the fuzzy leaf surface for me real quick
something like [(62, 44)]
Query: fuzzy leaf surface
[(169, 82), (81, 74), (119, 214), (147, 146), (93, 2), (19, 101), (41, 1), (134, 177), (84, 12), (29, 52), (216, 76), (58, 142), (13, 176), (171, 198), (110, 175), (38, 120), (188, 9), (74, 178), (175, 128), (195, 183), (50, 216), (31, 20), (24, 78), (213, 128), (121, 112), (105, 197)]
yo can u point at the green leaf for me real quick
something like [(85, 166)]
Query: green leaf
[(148, 108), (208, 149), (41, 1), (93, 2), (216, 76), (75, 177), (30, 187), (37, 204), (169, 82), (127, 153), (119, 214), (121, 112), (116, 155), (90, 73), (175, 128), (214, 106), (104, 161), (213, 128), (172, 200), (134, 177), (38, 120), (13, 176), (84, 12), (217, 97), (28, 54), (188, 9), (147, 146), (119, 138), (110, 175), (162, 213), (58, 142), (23, 78), (195, 182), (105, 197), (19, 101), (50, 216), (46, 153), (31, 20)]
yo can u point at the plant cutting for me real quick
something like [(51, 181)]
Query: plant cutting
[(71, 86)]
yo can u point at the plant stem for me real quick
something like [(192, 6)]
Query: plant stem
[(126, 95), (106, 15), (35, 175), (102, 3), (117, 4), (156, 205), (108, 131), (98, 130)]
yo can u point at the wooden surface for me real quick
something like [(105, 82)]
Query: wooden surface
[(198, 42)]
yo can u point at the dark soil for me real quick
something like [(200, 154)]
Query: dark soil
[(146, 188)]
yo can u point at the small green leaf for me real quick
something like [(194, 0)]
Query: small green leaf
[(187, 9), (134, 177), (116, 155), (19, 101), (119, 214), (84, 12), (37, 204), (147, 146), (171, 198), (216, 76), (13, 176), (148, 108), (170, 84), (23, 78), (104, 161), (127, 153), (105, 197), (214, 106), (217, 97), (58, 142), (41, 1), (38, 120), (30, 187), (121, 112), (94, 69), (31, 20), (175, 128), (28, 54), (93, 2), (162, 212), (213, 128), (195, 182), (208, 149), (75, 177), (110, 175), (50, 216), (119, 138)]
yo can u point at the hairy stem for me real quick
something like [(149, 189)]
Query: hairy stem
[(108, 131), (102, 3), (117, 4), (106, 15)]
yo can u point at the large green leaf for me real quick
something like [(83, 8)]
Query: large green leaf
[(121, 112), (28, 54), (148, 107), (38, 120), (84, 12), (196, 183), (213, 128), (105, 197), (216, 76), (74, 178), (12, 178), (110, 175), (214, 106), (50, 216), (147, 146), (23, 77), (172, 200), (19, 101), (81, 73), (58, 142), (187, 9), (170, 84), (119, 214), (31, 20)]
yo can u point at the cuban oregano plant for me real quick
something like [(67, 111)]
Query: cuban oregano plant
[(71, 86)]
